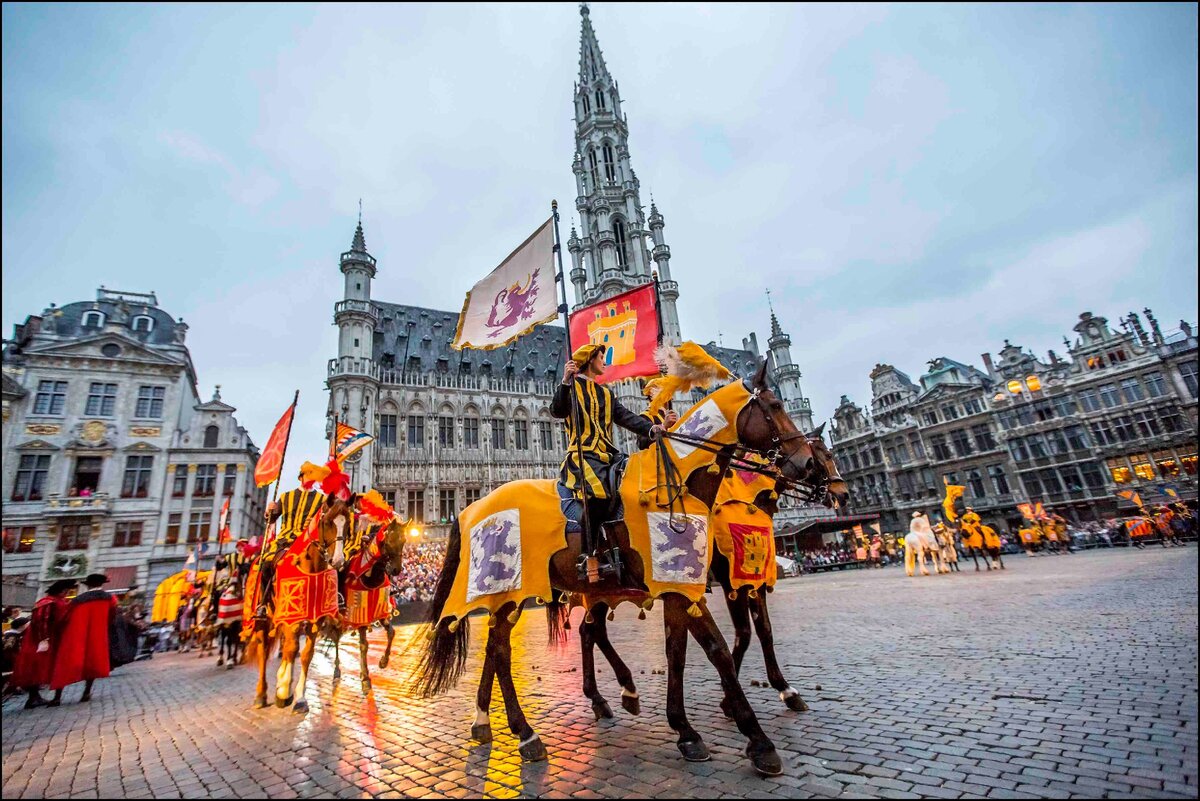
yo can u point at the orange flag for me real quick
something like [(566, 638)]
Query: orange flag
[(270, 463)]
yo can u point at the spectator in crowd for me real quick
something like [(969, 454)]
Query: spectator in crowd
[(417, 578)]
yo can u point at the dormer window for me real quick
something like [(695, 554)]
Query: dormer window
[(143, 322), (93, 319)]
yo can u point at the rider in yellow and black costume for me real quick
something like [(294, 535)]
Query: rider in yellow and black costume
[(293, 513), (590, 410)]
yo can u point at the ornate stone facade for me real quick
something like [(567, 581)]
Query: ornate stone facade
[(1118, 413), (111, 461), (452, 425)]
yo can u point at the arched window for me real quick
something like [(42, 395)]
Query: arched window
[(619, 234), (143, 322), (600, 99), (93, 319), (210, 436), (595, 167), (610, 168), (587, 103)]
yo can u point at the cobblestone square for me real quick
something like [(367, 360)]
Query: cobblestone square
[(1062, 676)]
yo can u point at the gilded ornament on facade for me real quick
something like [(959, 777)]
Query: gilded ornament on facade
[(41, 429), (93, 431), (144, 431)]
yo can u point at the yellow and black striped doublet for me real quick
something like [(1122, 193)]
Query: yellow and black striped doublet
[(297, 509), (590, 430)]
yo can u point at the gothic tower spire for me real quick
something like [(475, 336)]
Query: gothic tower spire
[(616, 248), (787, 374)]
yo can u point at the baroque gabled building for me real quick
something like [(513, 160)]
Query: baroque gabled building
[(112, 463), (1118, 413), (451, 425)]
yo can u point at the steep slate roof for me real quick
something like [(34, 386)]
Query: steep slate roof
[(68, 321), (542, 349), (11, 389)]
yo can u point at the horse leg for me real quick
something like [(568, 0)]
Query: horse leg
[(975, 558), (909, 559), (387, 649), (629, 693), (362, 657), (481, 730), (762, 626), (337, 652), (288, 645), (529, 744), (260, 692), (921, 554), (739, 613), (675, 623), (1000, 557), (306, 655), (587, 648), (759, 749)]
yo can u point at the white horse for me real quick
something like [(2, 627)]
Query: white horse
[(919, 542)]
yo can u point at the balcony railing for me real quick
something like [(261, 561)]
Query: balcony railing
[(349, 366), (97, 503), (360, 306)]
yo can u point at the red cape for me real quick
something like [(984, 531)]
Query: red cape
[(83, 649), (32, 669)]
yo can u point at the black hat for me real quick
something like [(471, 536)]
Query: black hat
[(95, 579), (62, 585)]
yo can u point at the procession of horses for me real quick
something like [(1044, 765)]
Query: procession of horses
[(694, 514)]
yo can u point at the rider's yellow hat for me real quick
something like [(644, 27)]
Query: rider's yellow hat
[(584, 354)]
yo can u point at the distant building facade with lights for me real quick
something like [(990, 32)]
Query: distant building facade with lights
[(1119, 412)]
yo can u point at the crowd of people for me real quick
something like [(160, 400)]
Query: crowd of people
[(417, 580)]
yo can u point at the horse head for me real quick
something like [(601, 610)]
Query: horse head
[(764, 426), (336, 518), (837, 492), (391, 546)]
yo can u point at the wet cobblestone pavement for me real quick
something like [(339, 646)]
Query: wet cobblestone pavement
[(1062, 676)]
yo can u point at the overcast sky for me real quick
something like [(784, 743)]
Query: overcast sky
[(912, 181)]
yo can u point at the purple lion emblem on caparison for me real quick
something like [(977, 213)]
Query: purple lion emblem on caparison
[(512, 304), (495, 555), (679, 544)]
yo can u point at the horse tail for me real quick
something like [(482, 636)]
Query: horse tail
[(445, 655), (558, 618)]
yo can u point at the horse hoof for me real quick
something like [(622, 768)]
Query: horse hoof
[(221, 662), (229, 666), (725, 709), (695, 751), (601, 709), (337, 674), (284, 703), (482, 734), (383, 662), (533, 751), (766, 764), (260, 702), (632, 704), (795, 703), (366, 688), (301, 707)]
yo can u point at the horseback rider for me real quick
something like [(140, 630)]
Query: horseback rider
[(590, 409), (294, 513)]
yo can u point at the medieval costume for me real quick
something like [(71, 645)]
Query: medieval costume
[(590, 409), (945, 536), (39, 646), (83, 651), (972, 536)]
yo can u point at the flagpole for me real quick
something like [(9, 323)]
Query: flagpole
[(282, 456), (658, 307), (586, 534)]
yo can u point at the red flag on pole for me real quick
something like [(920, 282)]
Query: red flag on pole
[(270, 463), (223, 529), (626, 326)]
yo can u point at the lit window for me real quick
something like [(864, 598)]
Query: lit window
[(1014, 387), (1033, 382)]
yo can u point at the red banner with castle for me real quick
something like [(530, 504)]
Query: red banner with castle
[(626, 326)]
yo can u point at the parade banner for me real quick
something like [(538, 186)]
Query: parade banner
[(223, 535), (626, 327), (270, 463), (513, 298), (347, 441), (953, 493), (1130, 496)]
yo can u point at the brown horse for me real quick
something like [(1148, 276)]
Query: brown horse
[(313, 553), (761, 425), (748, 604), (370, 568)]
